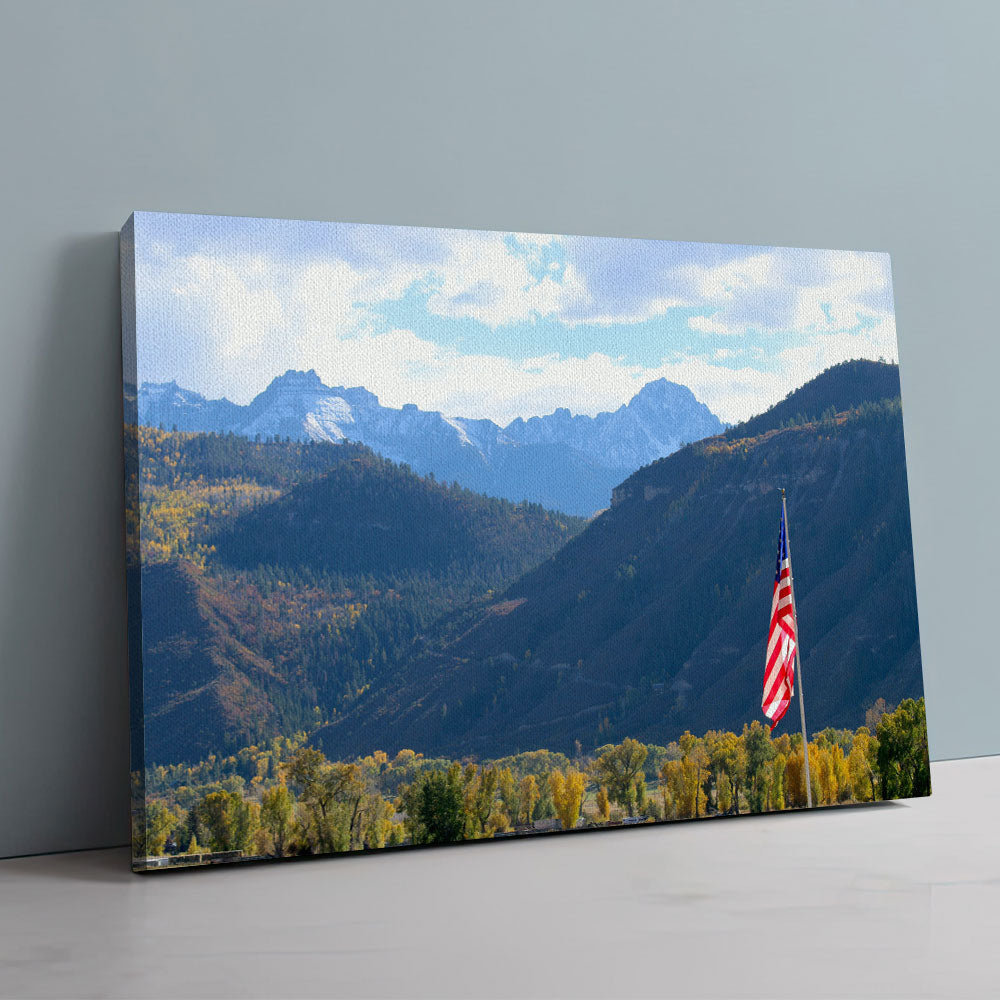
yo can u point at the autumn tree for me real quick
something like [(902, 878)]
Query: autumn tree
[(351, 791), (618, 768), (603, 805), (479, 796), (672, 789), (861, 764), (159, 821), (510, 795), (815, 768), (728, 759), (276, 811), (723, 794), (827, 782), (681, 785), (795, 785), (375, 822), (530, 795), (228, 820), (838, 767), (567, 796), (696, 771), (324, 787), (641, 800), (307, 769)]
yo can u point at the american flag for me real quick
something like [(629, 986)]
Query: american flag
[(779, 674)]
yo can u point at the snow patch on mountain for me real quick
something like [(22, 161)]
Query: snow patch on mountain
[(564, 460)]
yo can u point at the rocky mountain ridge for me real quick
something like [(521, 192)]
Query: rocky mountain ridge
[(565, 461)]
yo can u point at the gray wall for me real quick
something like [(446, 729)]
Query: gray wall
[(845, 125)]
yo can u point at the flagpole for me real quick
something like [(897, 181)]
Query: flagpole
[(798, 659)]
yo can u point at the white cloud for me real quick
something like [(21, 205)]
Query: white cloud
[(226, 324), (206, 322), (777, 290), (482, 279)]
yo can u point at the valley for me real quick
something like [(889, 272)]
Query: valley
[(312, 586)]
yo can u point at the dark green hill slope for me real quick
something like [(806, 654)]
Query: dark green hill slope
[(273, 615), (371, 516), (654, 619), (844, 387)]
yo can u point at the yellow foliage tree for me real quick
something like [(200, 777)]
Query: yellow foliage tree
[(567, 795), (603, 805), (277, 808), (681, 786), (795, 782), (376, 821), (841, 778), (724, 793), (859, 768), (530, 794), (159, 821), (827, 778), (814, 768)]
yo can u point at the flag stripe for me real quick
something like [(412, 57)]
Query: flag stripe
[(782, 638)]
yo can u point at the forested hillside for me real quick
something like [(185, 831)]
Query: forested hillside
[(280, 578), (654, 619), (843, 387), (374, 517)]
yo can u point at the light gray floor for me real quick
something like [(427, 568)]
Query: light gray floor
[(892, 900)]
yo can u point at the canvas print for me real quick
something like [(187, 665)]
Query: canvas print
[(440, 535)]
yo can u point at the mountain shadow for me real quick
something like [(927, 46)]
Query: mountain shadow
[(654, 619), (371, 516)]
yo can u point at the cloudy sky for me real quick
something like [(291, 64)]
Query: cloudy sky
[(484, 324)]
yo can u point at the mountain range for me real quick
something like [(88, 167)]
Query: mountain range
[(288, 583), (564, 461), (654, 618)]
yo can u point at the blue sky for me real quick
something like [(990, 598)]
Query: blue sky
[(486, 324)]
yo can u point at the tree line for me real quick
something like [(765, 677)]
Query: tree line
[(286, 798)]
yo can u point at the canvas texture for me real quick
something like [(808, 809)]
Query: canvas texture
[(445, 535)]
